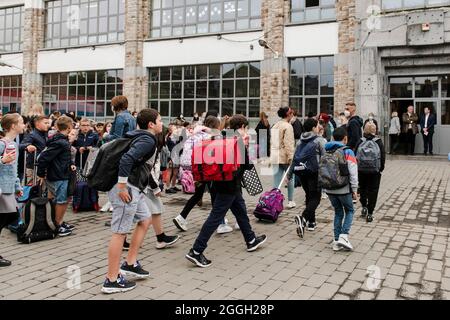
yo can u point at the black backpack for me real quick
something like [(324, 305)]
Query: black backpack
[(105, 171), (104, 174), (39, 221)]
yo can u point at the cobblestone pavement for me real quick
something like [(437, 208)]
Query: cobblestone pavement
[(403, 254)]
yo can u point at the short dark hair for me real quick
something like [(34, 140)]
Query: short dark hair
[(310, 124), (339, 134), (146, 116), (283, 112), (237, 121), (212, 122)]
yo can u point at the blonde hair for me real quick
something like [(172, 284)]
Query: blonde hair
[(370, 128), (9, 120), (36, 110), (394, 114)]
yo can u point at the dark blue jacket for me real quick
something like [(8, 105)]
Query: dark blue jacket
[(431, 122), (123, 123), (89, 139), (35, 138), (55, 161), (133, 164), (354, 131)]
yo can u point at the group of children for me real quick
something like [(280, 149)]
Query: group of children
[(136, 199)]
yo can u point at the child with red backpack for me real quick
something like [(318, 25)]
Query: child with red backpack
[(228, 196)]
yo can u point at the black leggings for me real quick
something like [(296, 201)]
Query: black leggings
[(6, 219), (196, 197), (369, 184)]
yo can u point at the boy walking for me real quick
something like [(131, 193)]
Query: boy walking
[(129, 203), (306, 167), (54, 165), (338, 174), (228, 196)]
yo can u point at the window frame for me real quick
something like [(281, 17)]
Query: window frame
[(12, 45)]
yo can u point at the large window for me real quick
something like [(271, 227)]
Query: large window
[(312, 10), (11, 23), (421, 92), (405, 4), (311, 86), (85, 93), (187, 17), (81, 22), (10, 93), (229, 89)]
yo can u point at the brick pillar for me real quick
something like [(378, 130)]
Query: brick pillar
[(137, 24), (274, 71), (33, 40), (344, 83)]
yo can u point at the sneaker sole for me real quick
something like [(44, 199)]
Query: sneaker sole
[(133, 275), (179, 226), (116, 290), (257, 246), (194, 261), (126, 249), (166, 244), (64, 234), (223, 232), (300, 231)]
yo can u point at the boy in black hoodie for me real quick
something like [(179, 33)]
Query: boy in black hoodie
[(129, 204), (228, 196), (35, 142), (54, 165)]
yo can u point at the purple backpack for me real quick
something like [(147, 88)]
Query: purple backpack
[(187, 182), (270, 205)]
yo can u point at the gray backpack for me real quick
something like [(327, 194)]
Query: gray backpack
[(369, 156)]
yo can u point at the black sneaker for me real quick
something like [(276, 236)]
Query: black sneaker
[(198, 259), (364, 212), (300, 226), (369, 218), (126, 245), (167, 241), (70, 227), (135, 271), (171, 191), (4, 262), (121, 285), (255, 245), (311, 226), (63, 232)]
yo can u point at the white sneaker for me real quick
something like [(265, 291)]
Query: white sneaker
[(224, 228), (336, 246), (180, 223), (324, 196), (236, 226), (291, 205), (344, 242), (106, 207)]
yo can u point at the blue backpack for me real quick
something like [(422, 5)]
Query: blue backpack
[(305, 158)]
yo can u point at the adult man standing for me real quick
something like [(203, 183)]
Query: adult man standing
[(410, 129), (427, 123), (354, 125)]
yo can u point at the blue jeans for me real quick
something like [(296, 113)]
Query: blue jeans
[(59, 190), (278, 172), (342, 203), (221, 204)]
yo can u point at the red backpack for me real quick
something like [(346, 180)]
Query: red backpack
[(216, 159)]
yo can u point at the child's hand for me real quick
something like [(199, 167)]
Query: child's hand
[(9, 157)]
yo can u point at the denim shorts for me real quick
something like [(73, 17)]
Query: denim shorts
[(59, 190)]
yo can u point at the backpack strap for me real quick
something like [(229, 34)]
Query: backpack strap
[(32, 219), (48, 216)]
